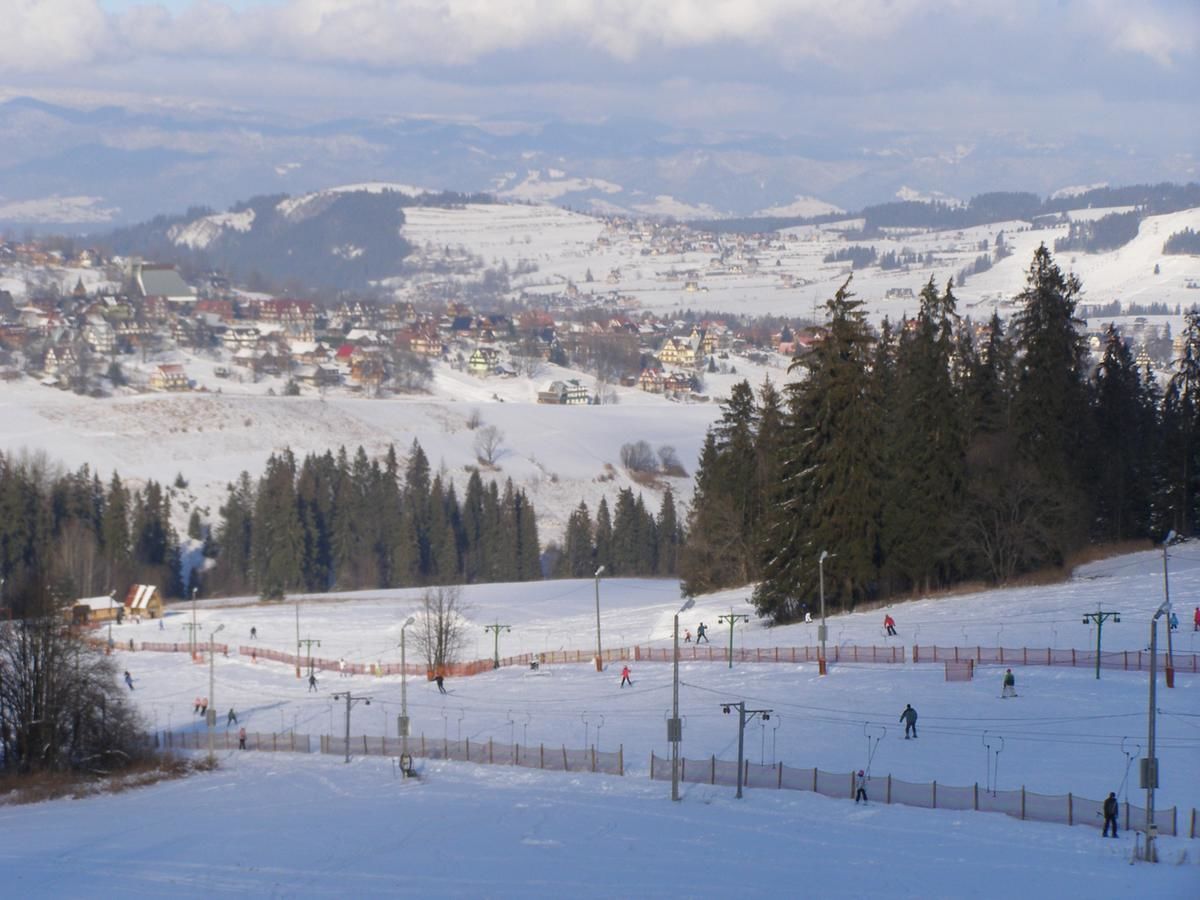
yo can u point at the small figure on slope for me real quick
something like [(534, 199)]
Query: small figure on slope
[(129, 679), (860, 784), (1010, 685), (1174, 620), (890, 624), (1110, 814), (253, 633), (441, 682), (702, 633), (241, 738), (231, 719), (687, 635), (312, 681), (909, 718), (625, 679), (1196, 620)]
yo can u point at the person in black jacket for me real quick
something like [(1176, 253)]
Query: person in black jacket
[(1110, 814), (909, 718)]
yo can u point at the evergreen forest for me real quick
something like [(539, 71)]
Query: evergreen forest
[(938, 450)]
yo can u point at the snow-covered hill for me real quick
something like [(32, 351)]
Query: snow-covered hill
[(299, 825)]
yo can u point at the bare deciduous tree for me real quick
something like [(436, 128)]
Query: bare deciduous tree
[(440, 627), (489, 444)]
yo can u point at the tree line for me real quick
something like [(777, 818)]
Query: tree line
[(939, 450), (67, 535)]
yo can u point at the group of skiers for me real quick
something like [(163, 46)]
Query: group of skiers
[(701, 634)]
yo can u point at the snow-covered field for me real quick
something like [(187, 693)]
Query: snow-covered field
[(293, 825)]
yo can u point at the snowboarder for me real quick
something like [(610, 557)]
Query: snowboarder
[(312, 681), (702, 633), (129, 679), (860, 782), (625, 679), (687, 635), (890, 624), (807, 617), (1174, 620), (1110, 814), (196, 706), (253, 633), (1010, 684), (241, 738), (909, 718), (231, 719), (441, 682)]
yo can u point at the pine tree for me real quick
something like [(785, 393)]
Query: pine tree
[(278, 552), (578, 556), (1181, 429), (828, 498), (604, 536), (669, 535)]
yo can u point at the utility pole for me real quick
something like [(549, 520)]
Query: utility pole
[(112, 601), (191, 627), (495, 629), (211, 716), (298, 638), (350, 700), (1149, 765), (822, 630), (308, 642), (744, 716), (1098, 617), (599, 652), (404, 691), (732, 618), (1167, 601), (193, 633), (675, 725)]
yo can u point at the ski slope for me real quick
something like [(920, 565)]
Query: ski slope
[(296, 825)]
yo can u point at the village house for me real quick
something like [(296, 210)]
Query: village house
[(565, 393), (169, 377), (164, 283), (483, 361), (90, 610), (677, 352), (143, 601), (651, 381)]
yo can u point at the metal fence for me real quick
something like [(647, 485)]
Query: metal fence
[(1064, 809), (1126, 660), (542, 756)]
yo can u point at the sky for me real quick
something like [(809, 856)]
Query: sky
[(1042, 72)]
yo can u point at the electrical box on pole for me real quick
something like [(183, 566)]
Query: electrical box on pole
[(822, 634), (674, 731), (1148, 771), (402, 726)]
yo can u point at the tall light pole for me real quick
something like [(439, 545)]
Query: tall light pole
[(297, 637), (1149, 765), (1167, 598), (599, 652), (193, 632), (211, 715), (112, 614), (822, 631), (404, 689), (675, 726)]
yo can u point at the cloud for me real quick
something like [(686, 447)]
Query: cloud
[(45, 35)]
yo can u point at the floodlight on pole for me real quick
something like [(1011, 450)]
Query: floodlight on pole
[(599, 652), (1149, 765), (211, 715), (404, 688), (822, 630), (675, 725)]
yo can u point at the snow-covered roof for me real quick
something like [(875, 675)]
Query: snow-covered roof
[(98, 603)]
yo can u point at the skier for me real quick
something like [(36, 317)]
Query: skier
[(1110, 814), (702, 633), (129, 679), (312, 681), (342, 667), (441, 682), (625, 679), (687, 635), (860, 782), (1196, 620), (241, 738), (890, 624), (807, 617), (1174, 620), (204, 706), (196, 706), (1010, 685), (161, 626), (909, 718), (231, 719), (253, 633)]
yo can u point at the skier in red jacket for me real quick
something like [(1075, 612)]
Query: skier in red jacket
[(625, 679)]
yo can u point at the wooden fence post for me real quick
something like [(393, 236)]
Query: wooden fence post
[(1070, 809), (712, 772), (889, 789), (1023, 801), (814, 787), (779, 784), (564, 753), (975, 797), (935, 795), (620, 759), (541, 756)]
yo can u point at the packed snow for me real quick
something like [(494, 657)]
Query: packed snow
[(311, 825)]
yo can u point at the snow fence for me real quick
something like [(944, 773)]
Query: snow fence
[(542, 756), (1063, 809)]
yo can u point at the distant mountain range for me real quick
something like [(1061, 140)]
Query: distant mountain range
[(89, 169)]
